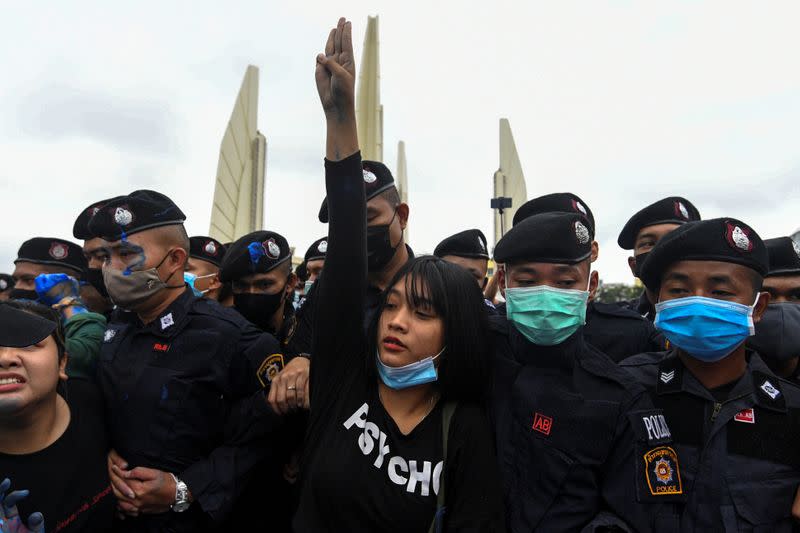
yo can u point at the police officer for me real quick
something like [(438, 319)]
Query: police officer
[(6, 286), (734, 421), (49, 270), (560, 407), (310, 269), (468, 249), (202, 268), (643, 231), (94, 293), (777, 338), (617, 332), (182, 377)]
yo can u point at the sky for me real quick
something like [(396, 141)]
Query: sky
[(620, 102)]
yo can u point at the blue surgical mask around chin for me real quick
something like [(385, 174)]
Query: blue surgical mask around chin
[(705, 328), (410, 375), (190, 278)]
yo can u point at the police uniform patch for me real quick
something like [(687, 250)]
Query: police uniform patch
[(748, 416), (108, 335), (58, 250), (663, 471), (270, 368), (666, 377), (770, 390), (167, 321), (122, 216)]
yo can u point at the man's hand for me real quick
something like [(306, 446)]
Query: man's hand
[(10, 521), (154, 490), (796, 506), (289, 389)]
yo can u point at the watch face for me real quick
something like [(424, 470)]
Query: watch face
[(181, 507)]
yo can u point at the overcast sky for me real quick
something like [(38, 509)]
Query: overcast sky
[(620, 102)]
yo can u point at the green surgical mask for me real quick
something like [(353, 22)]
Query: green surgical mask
[(546, 315), (307, 287)]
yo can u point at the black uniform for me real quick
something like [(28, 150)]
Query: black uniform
[(563, 414), (738, 448), (184, 394), (620, 332), (641, 306)]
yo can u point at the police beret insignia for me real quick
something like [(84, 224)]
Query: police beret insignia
[(93, 211), (210, 248), (323, 247), (579, 207), (738, 237), (582, 233), (270, 368), (3, 284), (123, 216), (796, 248), (481, 246), (663, 471), (369, 176), (681, 210), (58, 250), (272, 250)]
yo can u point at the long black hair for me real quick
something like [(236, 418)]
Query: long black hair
[(456, 298)]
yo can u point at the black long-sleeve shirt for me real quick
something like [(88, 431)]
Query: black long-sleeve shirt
[(361, 473)]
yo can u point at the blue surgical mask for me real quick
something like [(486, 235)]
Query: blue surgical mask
[(545, 315), (190, 278), (410, 375), (705, 328)]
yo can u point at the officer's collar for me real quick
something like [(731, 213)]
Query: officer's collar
[(171, 319), (757, 380)]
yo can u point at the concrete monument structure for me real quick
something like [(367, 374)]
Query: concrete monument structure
[(509, 183)]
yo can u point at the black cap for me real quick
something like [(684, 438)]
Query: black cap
[(138, 211), (470, 243), (721, 239), (52, 251), (206, 249), (255, 253), (6, 282), (19, 328), (672, 210), (784, 256), (80, 230), (317, 250), (377, 179), (546, 238), (558, 202)]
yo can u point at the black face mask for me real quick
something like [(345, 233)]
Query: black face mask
[(258, 308), (777, 335), (23, 294), (94, 276), (639, 262), (379, 246)]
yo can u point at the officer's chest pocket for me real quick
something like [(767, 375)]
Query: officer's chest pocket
[(192, 353), (761, 505)]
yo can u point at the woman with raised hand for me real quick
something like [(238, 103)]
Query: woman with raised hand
[(52, 435), (397, 439)]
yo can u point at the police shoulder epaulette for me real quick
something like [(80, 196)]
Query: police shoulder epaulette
[(617, 311), (644, 359)]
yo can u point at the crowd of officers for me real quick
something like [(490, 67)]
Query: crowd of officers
[(677, 411)]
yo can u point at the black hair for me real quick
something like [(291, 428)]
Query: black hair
[(43, 311), (451, 290), (391, 196), (757, 280)]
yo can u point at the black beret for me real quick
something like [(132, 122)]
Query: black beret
[(469, 243), (720, 239), (672, 210), (6, 282), (558, 202), (784, 256), (19, 328), (547, 238), (206, 249), (138, 211), (80, 230), (52, 251), (255, 253), (377, 179), (317, 250)]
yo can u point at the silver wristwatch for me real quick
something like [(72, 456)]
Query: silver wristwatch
[(181, 496)]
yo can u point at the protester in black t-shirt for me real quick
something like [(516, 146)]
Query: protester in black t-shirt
[(52, 442), (375, 458)]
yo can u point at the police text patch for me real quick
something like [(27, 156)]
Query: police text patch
[(270, 368)]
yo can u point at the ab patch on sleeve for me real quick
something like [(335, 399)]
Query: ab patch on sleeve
[(662, 472), (270, 368)]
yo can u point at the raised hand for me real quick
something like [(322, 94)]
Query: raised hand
[(10, 521), (336, 73)]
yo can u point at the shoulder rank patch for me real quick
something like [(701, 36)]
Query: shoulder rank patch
[(269, 369), (663, 471)]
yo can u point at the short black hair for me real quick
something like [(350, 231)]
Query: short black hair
[(464, 365), (391, 196), (35, 308)]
